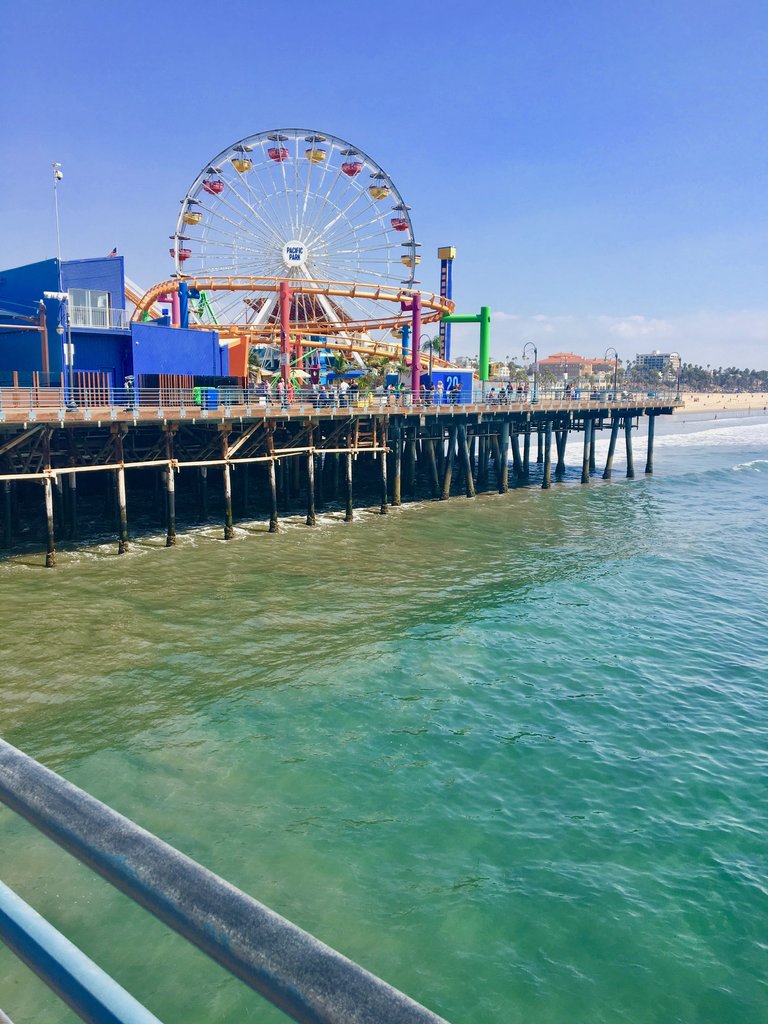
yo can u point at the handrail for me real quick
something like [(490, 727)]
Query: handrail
[(303, 977), (77, 980), (121, 403)]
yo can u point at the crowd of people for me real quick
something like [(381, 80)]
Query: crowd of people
[(342, 394)]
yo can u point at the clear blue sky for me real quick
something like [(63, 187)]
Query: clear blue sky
[(600, 166)]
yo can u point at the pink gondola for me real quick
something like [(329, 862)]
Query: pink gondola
[(213, 186)]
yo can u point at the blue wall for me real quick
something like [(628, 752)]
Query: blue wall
[(20, 291), (106, 273), (159, 349), (21, 288)]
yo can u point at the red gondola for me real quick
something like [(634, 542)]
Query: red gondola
[(213, 186), (399, 223), (352, 168), (182, 253), (277, 153)]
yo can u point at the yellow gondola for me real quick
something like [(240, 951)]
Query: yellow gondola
[(242, 164), (316, 156), (379, 191), (409, 261), (191, 216)]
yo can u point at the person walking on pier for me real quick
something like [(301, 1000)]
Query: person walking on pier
[(439, 394)]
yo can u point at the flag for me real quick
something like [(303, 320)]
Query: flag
[(113, 253)]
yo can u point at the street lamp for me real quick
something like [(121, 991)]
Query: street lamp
[(530, 344), (65, 323), (615, 368)]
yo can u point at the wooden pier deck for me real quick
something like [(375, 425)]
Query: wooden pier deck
[(302, 451)]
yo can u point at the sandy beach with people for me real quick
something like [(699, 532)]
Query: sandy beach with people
[(712, 402)]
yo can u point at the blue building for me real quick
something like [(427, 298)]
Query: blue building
[(104, 342)]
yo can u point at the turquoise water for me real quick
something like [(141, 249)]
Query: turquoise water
[(509, 753)]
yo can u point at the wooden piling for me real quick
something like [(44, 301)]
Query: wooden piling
[(539, 445), (503, 458), (585, 451), (273, 521), (383, 471), (526, 454), (434, 482), (615, 425), (203, 490), (547, 481), (592, 432), (410, 462), (448, 471), (517, 462), (480, 467), (397, 469), (348, 516), (72, 502), (8, 514), (50, 553), (170, 491), (122, 543), (651, 432), (464, 456), (628, 443), (561, 439), (311, 519), (229, 530)]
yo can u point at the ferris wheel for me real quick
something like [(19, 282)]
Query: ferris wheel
[(297, 205)]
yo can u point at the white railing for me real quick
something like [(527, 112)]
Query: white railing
[(98, 316), (109, 402)]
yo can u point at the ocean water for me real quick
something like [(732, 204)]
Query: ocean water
[(508, 753)]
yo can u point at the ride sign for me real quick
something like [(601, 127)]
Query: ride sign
[(294, 254)]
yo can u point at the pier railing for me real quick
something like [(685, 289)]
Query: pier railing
[(77, 403), (304, 978)]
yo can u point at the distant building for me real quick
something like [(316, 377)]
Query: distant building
[(467, 362), (667, 363)]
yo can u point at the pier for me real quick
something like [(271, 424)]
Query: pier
[(251, 457)]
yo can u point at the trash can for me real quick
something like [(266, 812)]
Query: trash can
[(210, 398), (197, 395)]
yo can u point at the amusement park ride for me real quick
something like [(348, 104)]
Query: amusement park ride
[(297, 241)]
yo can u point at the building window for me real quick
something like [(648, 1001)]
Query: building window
[(89, 307)]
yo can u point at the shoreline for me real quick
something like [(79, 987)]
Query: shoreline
[(708, 402)]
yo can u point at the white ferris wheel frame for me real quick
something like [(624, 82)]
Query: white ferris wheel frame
[(296, 201)]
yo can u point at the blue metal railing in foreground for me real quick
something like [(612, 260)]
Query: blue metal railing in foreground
[(306, 979)]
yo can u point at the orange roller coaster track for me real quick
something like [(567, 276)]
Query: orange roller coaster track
[(433, 306)]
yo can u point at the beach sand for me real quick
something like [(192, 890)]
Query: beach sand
[(700, 402)]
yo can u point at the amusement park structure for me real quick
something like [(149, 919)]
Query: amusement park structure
[(299, 240)]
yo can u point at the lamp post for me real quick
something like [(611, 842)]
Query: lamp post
[(65, 325), (615, 368), (530, 344)]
